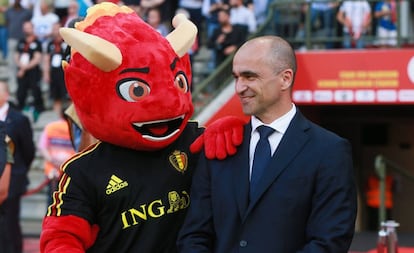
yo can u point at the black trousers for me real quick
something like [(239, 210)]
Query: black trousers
[(30, 81), (11, 239), (5, 245)]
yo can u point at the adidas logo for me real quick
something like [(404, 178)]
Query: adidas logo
[(115, 184)]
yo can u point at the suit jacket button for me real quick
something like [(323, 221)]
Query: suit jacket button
[(243, 243)]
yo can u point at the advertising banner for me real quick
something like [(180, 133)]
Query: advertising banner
[(342, 77), (355, 77)]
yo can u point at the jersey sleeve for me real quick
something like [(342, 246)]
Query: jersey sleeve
[(75, 194)]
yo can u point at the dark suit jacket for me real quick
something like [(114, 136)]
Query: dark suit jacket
[(19, 130), (306, 201), (3, 149)]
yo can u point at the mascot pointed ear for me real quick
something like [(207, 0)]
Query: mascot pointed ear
[(183, 36), (101, 53)]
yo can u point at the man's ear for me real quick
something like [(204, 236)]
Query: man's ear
[(287, 78)]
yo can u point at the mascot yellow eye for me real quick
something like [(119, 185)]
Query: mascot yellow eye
[(181, 82), (133, 90)]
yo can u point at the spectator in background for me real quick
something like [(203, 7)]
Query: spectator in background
[(83, 6), (6, 161), (241, 15), (133, 4), (43, 23), (260, 9), (19, 130), (166, 7), (301, 32), (60, 8), (193, 7), (355, 17), (28, 58), (4, 4), (386, 14), (324, 11), (53, 71), (154, 20), (55, 147), (210, 9), (286, 18), (227, 38), (27, 4), (16, 15), (73, 13)]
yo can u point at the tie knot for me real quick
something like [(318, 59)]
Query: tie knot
[(265, 131)]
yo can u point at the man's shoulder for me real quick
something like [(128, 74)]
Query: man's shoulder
[(324, 134), (316, 130), (16, 114)]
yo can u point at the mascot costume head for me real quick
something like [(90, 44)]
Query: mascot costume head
[(130, 86)]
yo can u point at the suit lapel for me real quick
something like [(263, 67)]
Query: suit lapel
[(241, 182), (289, 146)]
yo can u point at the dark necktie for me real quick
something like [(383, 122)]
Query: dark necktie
[(261, 158)]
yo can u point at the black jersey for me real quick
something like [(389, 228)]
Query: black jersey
[(57, 51), (138, 199), (26, 52)]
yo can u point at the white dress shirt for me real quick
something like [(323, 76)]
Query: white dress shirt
[(280, 126), (3, 111)]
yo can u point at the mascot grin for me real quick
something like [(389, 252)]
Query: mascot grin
[(159, 130)]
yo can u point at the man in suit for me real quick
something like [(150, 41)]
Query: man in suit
[(305, 199), (6, 161), (19, 130)]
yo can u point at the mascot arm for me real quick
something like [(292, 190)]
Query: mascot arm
[(67, 234), (221, 138)]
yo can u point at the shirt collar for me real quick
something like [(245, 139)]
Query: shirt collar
[(280, 124), (3, 111)]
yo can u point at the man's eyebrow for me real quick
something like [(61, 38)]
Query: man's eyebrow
[(139, 70), (248, 73)]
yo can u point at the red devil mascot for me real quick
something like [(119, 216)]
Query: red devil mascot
[(130, 87)]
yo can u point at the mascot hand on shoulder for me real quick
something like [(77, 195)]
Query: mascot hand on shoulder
[(130, 87)]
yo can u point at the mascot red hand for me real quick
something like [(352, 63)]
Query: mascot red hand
[(128, 192), (221, 138)]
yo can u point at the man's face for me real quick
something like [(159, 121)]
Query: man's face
[(154, 17), (28, 28), (257, 85), (223, 17), (234, 2)]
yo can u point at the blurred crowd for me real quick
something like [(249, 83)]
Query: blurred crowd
[(32, 48)]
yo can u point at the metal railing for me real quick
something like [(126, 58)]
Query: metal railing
[(382, 165), (215, 82)]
